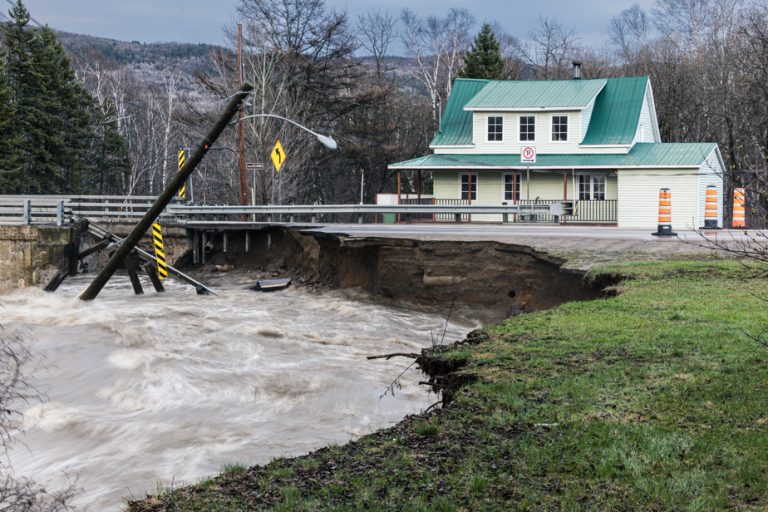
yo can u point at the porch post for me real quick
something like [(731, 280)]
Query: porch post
[(528, 183), (398, 193), (565, 185), (419, 185)]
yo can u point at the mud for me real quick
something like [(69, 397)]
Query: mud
[(489, 280)]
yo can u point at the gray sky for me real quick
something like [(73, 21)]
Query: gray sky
[(201, 21)]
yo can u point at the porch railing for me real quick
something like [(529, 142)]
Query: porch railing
[(586, 212)]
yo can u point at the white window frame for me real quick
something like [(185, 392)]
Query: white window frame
[(592, 192), (487, 127), (519, 179), (520, 132), (552, 128), (477, 185)]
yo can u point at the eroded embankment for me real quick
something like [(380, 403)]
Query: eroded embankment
[(495, 280)]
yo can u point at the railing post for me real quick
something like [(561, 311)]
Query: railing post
[(27, 211), (60, 212)]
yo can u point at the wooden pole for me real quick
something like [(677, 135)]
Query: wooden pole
[(240, 114), (163, 199), (131, 264), (398, 192)]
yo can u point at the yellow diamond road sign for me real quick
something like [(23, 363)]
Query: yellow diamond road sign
[(278, 155)]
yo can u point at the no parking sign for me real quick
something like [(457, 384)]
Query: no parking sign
[(528, 154)]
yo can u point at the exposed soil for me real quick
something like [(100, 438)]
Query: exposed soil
[(495, 280)]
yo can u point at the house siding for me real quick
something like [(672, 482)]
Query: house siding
[(711, 173), (511, 142), (586, 115), (638, 192), (645, 132)]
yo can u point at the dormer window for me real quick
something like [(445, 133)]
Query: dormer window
[(527, 128), (495, 128), (559, 128)]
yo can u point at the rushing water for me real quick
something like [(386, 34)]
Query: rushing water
[(150, 390)]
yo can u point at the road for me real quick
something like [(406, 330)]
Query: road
[(582, 246)]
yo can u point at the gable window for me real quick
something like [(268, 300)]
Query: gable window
[(512, 183), (495, 128), (559, 128), (469, 182), (527, 128), (591, 187)]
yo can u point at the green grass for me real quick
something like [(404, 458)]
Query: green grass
[(655, 399)]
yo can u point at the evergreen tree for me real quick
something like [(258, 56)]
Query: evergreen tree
[(10, 159), (484, 60), (63, 144)]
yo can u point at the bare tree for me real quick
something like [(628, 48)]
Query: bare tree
[(376, 29), (438, 46), (20, 494), (550, 48)]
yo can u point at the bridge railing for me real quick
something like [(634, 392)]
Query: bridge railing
[(59, 209)]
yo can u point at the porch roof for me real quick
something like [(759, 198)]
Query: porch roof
[(642, 155)]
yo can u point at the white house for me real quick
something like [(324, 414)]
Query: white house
[(595, 142)]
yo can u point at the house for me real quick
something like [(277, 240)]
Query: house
[(595, 142)]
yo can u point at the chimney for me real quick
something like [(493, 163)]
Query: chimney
[(576, 70)]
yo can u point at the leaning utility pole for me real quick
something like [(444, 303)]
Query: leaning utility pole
[(163, 199)]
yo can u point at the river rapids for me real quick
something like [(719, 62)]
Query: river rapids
[(143, 392)]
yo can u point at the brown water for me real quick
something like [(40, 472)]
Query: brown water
[(167, 388)]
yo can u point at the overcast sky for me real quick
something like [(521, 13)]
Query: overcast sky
[(201, 21)]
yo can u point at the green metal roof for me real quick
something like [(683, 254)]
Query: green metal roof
[(535, 94), (617, 111), (647, 154), (456, 123)]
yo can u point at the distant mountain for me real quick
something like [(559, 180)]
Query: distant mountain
[(112, 53)]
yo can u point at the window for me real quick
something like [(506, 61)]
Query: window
[(559, 128), (591, 187), (465, 186), (512, 187), (495, 128), (527, 128)]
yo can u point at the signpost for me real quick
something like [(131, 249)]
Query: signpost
[(528, 156)]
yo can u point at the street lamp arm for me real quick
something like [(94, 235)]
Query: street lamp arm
[(326, 140)]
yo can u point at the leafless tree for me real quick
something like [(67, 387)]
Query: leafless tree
[(376, 30), (550, 48), (20, 494)]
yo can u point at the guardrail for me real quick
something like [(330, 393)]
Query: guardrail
[(59, 209)]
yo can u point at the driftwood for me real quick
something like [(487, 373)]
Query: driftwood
[(409, 355)]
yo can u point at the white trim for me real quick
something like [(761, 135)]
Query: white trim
[(552, 130), (448, 146), (487, 121), (527, 109), (654, 118), (589, 146), (522, 167), (535, 128)]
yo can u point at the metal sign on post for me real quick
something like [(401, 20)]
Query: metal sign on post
[(528, 154), (278, 155)]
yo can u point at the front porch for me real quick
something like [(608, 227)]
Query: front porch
[(594, 194)]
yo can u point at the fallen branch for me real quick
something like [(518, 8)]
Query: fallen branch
[(409, 355)]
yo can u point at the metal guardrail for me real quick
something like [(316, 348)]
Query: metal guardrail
[(59, 209)]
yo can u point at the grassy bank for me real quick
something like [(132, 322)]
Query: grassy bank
[(655, 399)]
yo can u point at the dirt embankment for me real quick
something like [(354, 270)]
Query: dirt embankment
[(496, 280)]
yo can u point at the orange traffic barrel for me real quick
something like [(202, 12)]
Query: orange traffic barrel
[(739, 217), (665, 213), (710, 208)]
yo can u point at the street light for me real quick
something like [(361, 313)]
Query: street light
[(325, 140)]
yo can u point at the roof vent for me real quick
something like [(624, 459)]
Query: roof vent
[(576, 70)]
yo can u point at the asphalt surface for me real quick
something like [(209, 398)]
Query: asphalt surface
[(582, 246)]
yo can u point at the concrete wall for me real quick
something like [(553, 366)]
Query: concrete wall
[(30, 255)]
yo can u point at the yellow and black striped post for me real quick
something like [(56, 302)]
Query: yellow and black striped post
[(739, 217), (710, 208), (162, 266), (182, 194), (665, 213)]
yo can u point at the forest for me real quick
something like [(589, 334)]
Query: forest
[(124, 109)]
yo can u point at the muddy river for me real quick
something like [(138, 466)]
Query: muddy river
[(160, 389)]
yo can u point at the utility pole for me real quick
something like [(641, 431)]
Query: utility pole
[(240, 113), (165, 197)]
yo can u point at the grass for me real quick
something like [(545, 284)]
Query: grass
[(654, 399)]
